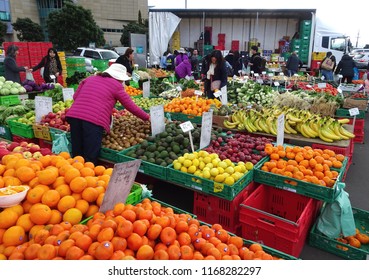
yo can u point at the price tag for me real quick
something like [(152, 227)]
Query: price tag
[(281, 74), (157, 119), (260, 81), (218, 187), (206, 125), (217, 93), (276, 84), (179, 88), (2, 130), (198, 92), (263, 72), (271, 75), (280, 129), (146, 89), (135, 77), (354, 112), (43, 106), (68, 94), (252, 72), (188, 78), (23, 97), (186, 126), (224, 98), (322, 85), (256, 75), (287, 189), (120, 184), (52, 77)]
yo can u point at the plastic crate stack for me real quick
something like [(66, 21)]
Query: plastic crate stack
[(22, 57), (75, 65), (304, 41), (221, 42), (235, 45), (36, 53), (62, 79)]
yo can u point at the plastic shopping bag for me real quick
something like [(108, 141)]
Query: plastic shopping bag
[(29, 76), (61, 144)]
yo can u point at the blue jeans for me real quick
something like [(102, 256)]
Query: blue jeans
[(328, 75), (291, 72)]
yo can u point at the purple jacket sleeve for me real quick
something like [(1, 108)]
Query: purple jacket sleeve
[(188, 68), (128, 104)]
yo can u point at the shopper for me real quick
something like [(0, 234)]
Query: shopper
[(327, 66), (10, 65), (255, 60), (182, 55), (195, 60), (127, 60), (170, 61), (183, 69), (215, 73), (51, 66), (91, 111), (293, 64), (346, 68), (163, 60)]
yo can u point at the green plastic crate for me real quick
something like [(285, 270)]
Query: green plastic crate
[(319, 240), (301, 187), (148, 168), (109, 154), (5, 132), (208, 186), (55, 131), (20, 129), (9, 100), (184, 118), (341, 112)]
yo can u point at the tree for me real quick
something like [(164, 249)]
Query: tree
[(28, 31), (72, 27), (134, 27), (3, 28)]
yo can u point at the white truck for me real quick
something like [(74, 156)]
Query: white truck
[(264, 26)]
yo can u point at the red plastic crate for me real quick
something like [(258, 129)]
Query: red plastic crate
[(346, 151), (359, 139), (215, 210), (19, 139), (277, 218), (45, 144)]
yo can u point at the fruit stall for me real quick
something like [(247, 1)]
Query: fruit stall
[(249, 197)]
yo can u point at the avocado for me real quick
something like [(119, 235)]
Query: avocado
[(165, 145), (151, 148), (140, 152), (164, 154), (144, 144), (186, 142), (169, 161), (163, 134), (143, 158), (156, 153), (176, 149), (164, 164), (150, 139), (160, 149), (169, 139), (158, 161), (151, 160)]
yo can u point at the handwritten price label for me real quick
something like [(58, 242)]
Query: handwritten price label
[(43, 106), (120, 184), (354, 112), (206, 125), (68, 94), (157, 119), (146, 89), (186, 126)]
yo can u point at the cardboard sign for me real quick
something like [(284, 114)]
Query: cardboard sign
[(206, 125), (120, 184), (43, 106), (186, 126), (354, 112), (146, 89), (280, 129), (157, 119), (68, 94)]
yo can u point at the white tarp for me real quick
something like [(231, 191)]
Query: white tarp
[(161, 28)]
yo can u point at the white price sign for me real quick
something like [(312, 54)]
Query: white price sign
[(206, 125), (354, 112), (263, 72), (179, 88), (270, 75), (52, 77), (260, 81), (186, 126), (256, 75), (217, 93), (224, 98), (322, 85), (135, 77), (276, 84), (120, 184), (43, 106), (146, 89), (157, 119), (280, 129), (198, 92), (68, 94)]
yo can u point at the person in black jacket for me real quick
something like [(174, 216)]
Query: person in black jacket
[(214, 73), (10, 65), (346, 68), (255, 60), (127, 60), (51, 64), (293, 64)]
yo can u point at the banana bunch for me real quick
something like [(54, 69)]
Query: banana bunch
[(296, 122)]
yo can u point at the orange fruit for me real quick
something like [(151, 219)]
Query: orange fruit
[(31, 251), (47, 176), (74, 253), (168, 235), (14, 236), (145, 252), (46, 252), (72, 215), (25, 173), (104, 251), (90, 194), (50, 198), (77, 184), (66, 203), (25, 222), (40, 214), (70, 174)]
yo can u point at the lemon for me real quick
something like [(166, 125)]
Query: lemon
[(222, 164), (206, 174), (214, 156), (201, 165), (196, 162), (198, 173), (221, 170), (249, 165), (236, 176), (187, 163), (240, 163), (203, 154), (229, 180), (219, 178), (191, 156), (225, 174), (237, 168), (181, 160), (177, 165), (214, 172), (229, 170), (186, 155), (191, 169), (207, 159), (243, 168), (215, 161), (184, 169), (228, 162), (210, 165), (206, 169)]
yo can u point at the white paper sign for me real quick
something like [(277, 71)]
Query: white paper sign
[(186, 126), (43, 106), (276, 84), (280, 129), (22, 97), (224, 98), (120, 184), (322, 85), (263, 72), (179, 88), (52, 77), (135, 77), (68, 94), (256, 75), (206, 125), (354, 112), (270, 75), (217, 93), (260, 81), (198, 92), (146, 89), (157, 119)]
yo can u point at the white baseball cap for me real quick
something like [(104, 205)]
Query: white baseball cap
[(118, 72)]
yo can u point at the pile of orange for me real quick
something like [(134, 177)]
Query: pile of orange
[(191, 106), (147, 231), (133, 91), (304, 163)]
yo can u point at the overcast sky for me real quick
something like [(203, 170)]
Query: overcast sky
[(349, 19)]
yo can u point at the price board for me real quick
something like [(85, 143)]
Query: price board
[(146, 89), (157, 119), (206, 125), (280, 129), (186, 126), (68, 94), (43, 106)]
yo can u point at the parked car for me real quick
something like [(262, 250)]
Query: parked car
[(361, 60), (358, 51), (92, 54)]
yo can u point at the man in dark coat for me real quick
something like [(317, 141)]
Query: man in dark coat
[(293, 64), (346, 68), (255, 60)]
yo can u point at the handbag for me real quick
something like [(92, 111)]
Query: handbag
[(327, 64), (215, 85)]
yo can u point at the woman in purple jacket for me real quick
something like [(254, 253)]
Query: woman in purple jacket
[(183, 69), (91, 111)]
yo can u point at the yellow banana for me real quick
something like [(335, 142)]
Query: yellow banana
[(321, 136), (328, 134), (336, 128), (231, 125), (310, 131), (304, 133), (264, 126), (343, 131), (344, 121)]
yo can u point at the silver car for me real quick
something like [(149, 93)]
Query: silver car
[(91, 54), (361, 60)]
